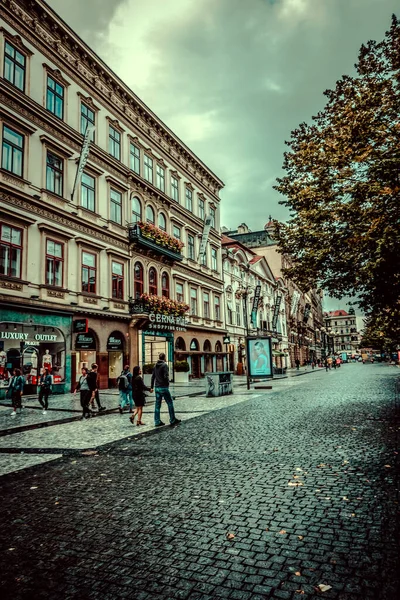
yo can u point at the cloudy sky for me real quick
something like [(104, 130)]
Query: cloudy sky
[(232, 78)]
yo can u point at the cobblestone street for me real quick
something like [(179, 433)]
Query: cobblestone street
[(290, 493)]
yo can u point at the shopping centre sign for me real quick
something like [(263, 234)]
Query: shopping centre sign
[(167, 322)]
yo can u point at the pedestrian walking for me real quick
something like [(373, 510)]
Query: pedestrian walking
[(15, 391), (128, 374), (138, 391), (297, 361), (46, 382), (85, 393), (326, 364), (160, 383), (93, 382), (124, 382)]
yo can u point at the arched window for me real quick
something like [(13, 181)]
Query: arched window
[(194, 344), (165, 285), (180, 344), (218, 347), (207, 346), (136, 210), (162, 222), (138, 280), (153, 281), (150, 215)]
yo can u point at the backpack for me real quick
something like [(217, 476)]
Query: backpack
[(123, 382)]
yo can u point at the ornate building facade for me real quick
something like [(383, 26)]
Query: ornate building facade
[(105, 266)]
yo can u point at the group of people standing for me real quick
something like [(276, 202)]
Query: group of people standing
[(132, 392)]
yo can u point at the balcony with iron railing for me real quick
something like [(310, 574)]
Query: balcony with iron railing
[(151, 239)]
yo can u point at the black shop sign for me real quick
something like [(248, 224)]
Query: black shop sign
[(115, 342), (80, 326), (85, 341)]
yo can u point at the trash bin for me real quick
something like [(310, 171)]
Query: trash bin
[(219, 384)]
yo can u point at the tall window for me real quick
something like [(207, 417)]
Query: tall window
[(148, 168), (190, 240), (206, 305), (55, 97), (117, 280), (150, 215), (179, 292), (189, 199), (134, 158), (217, 308), (136, 210), (54, 173), (138, 280), (176, 232), (214, 263), (14, 66), (87, 119), (153, 288), (114, 142), (88, 192), (203, 259), (193, 301), (230, 313), (10, 251), (115, 206), (160, 178), (54, 263), (165, 285), (174, 188), (238, 315), (201, 209), (89, 272), (212, 215), (162, 222), (13, 151)]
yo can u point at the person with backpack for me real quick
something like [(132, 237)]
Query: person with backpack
[(15, 391), (160, 382), (45, 383), (124, 387)]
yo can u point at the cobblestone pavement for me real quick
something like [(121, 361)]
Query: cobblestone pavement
[(289, 494)]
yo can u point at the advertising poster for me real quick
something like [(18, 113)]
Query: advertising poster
[(259, 352)]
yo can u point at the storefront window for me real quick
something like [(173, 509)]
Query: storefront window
[(31, 348)]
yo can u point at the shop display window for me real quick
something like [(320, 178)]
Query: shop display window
[(31, 348)]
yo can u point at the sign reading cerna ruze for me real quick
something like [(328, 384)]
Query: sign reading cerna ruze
[(167, 322)]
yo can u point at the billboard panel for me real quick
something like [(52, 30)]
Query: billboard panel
[(259, 352)]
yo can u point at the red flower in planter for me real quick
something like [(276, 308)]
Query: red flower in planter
[(160, 237)]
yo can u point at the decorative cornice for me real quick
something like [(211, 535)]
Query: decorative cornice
[(51, 215), (193, 274), (89, 102), (114, 123)]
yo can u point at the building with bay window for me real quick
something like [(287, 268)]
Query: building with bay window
[(113, 248)]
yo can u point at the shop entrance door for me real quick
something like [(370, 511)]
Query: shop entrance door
[(196, 366)]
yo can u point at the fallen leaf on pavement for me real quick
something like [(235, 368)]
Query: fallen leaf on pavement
[(298, 573), (89, 452), (34, 487), (299, 591), (298, 469), (282, 532), (294, 483), (324, 588), (388, 466), (301, 537), (230, 536), (10, 549), (345, 498)]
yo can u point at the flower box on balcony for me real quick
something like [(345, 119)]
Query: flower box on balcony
[(149, 237), (148, 303)]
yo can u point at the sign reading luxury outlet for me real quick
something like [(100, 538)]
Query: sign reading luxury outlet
[(18, 335), (167, 322)]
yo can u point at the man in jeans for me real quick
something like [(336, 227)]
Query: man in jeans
[(160, 383)]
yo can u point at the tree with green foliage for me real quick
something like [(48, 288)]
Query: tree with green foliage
[(342, 186)]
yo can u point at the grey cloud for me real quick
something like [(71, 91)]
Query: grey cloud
[(247, 74)]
